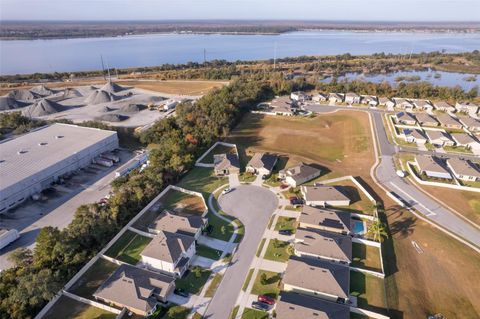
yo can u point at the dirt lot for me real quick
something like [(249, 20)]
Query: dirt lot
[(176, 87)]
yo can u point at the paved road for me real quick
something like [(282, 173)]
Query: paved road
[(253, 205), (386, 175)]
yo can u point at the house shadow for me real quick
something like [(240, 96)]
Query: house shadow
[(351, 192)]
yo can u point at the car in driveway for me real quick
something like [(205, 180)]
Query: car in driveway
[(285, 232), (260, 306), (295, 201), (266, 299), (181, 292)]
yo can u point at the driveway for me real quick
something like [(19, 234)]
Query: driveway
[(253, 205)]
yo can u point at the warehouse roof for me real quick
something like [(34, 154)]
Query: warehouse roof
[(38, 150)]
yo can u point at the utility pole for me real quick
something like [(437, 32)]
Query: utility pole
[(204, 55), (275, 56), (103, 67)]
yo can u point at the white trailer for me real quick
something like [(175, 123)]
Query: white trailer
[(103, 162), (7, 236), (111, 156)]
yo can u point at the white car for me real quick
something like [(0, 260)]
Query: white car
[(226, 190), (400, 173)]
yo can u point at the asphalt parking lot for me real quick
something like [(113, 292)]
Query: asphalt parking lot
[(253, 205)]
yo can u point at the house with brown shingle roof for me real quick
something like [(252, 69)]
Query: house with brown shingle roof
[(448, 121), (324, 196), (226, 164), (299, 174), (167, 221)]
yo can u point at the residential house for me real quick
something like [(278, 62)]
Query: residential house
[(449, 122), (319, 97), (324, 196), (300, 96), (335, 221), (138, 290), (226, 164), (371, 100), (466, 107), (466, 140), (169, 253), (317, 278), (191, 225), (262, 164), (444, 106), (403, 104), (312, 243), (464, 169), (293, 305), (405, 118), (439, 138), (472, 124), (283, 105), (352, 98), (423, 105), (388, 103), (414, 136), (299, 174), (426, 119), (335, 97), (431, 167)]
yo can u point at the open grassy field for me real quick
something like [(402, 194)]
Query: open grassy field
[(367, 257), (202, 180), (176, 87), (128, 247), (93, 278), (272, 285), (67, 307), (182, 203)]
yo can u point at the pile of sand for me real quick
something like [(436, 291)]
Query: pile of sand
[(69, 93), (42, 90), (100, 96), (8, 103), (42, 108), (23, 95), (112, 87), (107, 109), (132, 108), (113, 117)]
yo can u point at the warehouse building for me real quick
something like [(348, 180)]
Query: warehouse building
[(31, 162)]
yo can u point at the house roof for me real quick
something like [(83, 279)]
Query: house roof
[(326, 218), (417, 134), (322, 243), (435, 135), (425, 118), (463, 139), (442, 105), (132, 287), (462, 167), (318, 275), (283, 102), (225, 161), (422, 103), (446, 119), (170, 222), (430, 163), (405, 116), (352, 94), (469, 121), (323, 193), (263, 160), (402, 101), (384, 100), (168, 247), (338, 96), (300, 171), (294, 305)]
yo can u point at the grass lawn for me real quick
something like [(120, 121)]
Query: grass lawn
[(247, 280), (128, 247), (196, 315), (67, 307), (359, 201), (367, 257), (369, 290), (93, 278), (250, 313), (171, 312), (208, 252), (183, 203), (191, 283), (218, 228), (213, 285), (286, 223), (293, 208), (247, 177), (260, 247), (272, 285), (219, 149), (234, 312), (278, 250), (202, 180)]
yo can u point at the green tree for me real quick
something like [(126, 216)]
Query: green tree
[(377, 230)]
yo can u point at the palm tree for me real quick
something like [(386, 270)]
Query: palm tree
[(377, 230)]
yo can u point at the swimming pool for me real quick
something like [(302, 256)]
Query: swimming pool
[(358, 227)]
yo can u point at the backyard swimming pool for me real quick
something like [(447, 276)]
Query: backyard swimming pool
[(358, 227)]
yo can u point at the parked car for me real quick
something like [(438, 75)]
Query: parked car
[(296, 201), (285, 232), (226, 190), (284, 186), (400, 173), (260, 306), (266, 299), (181, 292)]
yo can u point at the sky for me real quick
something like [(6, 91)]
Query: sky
[(361, 10)]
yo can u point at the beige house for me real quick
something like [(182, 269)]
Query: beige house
[(371, 100), (226, 164), (439, 138), (262, 164), (465, 140), (423, 105), (317, 278), (466, 107), (431, 167), (388, 103), (300, 96), (444, 106), (405, 118), (470, 123), (352, 98), (335, 97), (324, 196), (448, 121), (138, 290), (403, 104), (426, 119), (299, 174), (167, 221), (325, 219), (294, 305), (464, 170), (414, 136), (319, 97)]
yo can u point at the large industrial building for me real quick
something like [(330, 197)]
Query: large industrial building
[(31, 162)]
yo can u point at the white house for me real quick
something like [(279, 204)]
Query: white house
[(466, 107), (299, 174), (300, 96), (388, 103), (403, 104), (431, 167), (261, 164), (319, 97), (423, 105), (352, 98), (371, 100), (464, 170), (335, 97), (473, 125), (439, 138), (414, 136)]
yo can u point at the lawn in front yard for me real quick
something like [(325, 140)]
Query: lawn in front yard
[(286, 223), (219, 228), (369, 290), (173, 311), (66, 307), (128, 247), (367, 257), (269, 285), (183, 203), (208, 252), (247, 280), (250, 313), (202, 180), (194, 280), (93, 278), (278, 250)]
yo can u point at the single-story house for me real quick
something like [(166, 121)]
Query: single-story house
[(432, 167), (423, 105), (426, 119), (169, 253), (317, 278), (226, 164), (324, 196), (315, 243), (464, 169), (444, 106), (403, 104), (371, 100), (414, 136), (339, 222), (439, 138), (299, 174), (167, 221), (300, 96), (466, 107), (283, 105), (470, 123), (465, 140), (138, 290), (319, 97), (293, 305), (352, 98), (405, 118), (388, 103), (335, 97), (262, 164), (448, 121)]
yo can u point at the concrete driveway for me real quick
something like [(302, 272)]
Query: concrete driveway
[(253, 205)]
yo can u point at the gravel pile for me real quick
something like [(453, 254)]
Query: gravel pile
[(41, 90), (8, 103), (113, 117), (112, 87), (100, 96), (23, 95), (132, 108), (42, 108)]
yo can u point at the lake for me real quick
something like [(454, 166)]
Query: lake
[(63, 55)]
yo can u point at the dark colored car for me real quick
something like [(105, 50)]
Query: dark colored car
[(260, 306), (296, 201), (285, 232), (266, 299), (181, 292), (283, 186)]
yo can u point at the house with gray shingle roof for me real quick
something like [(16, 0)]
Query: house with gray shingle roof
[(449, 122), (470, 123), (191, 225), (299, 174), (326, 219), (324, 196), (464, 170), (226, 164), (262, 164), (294, 305)]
